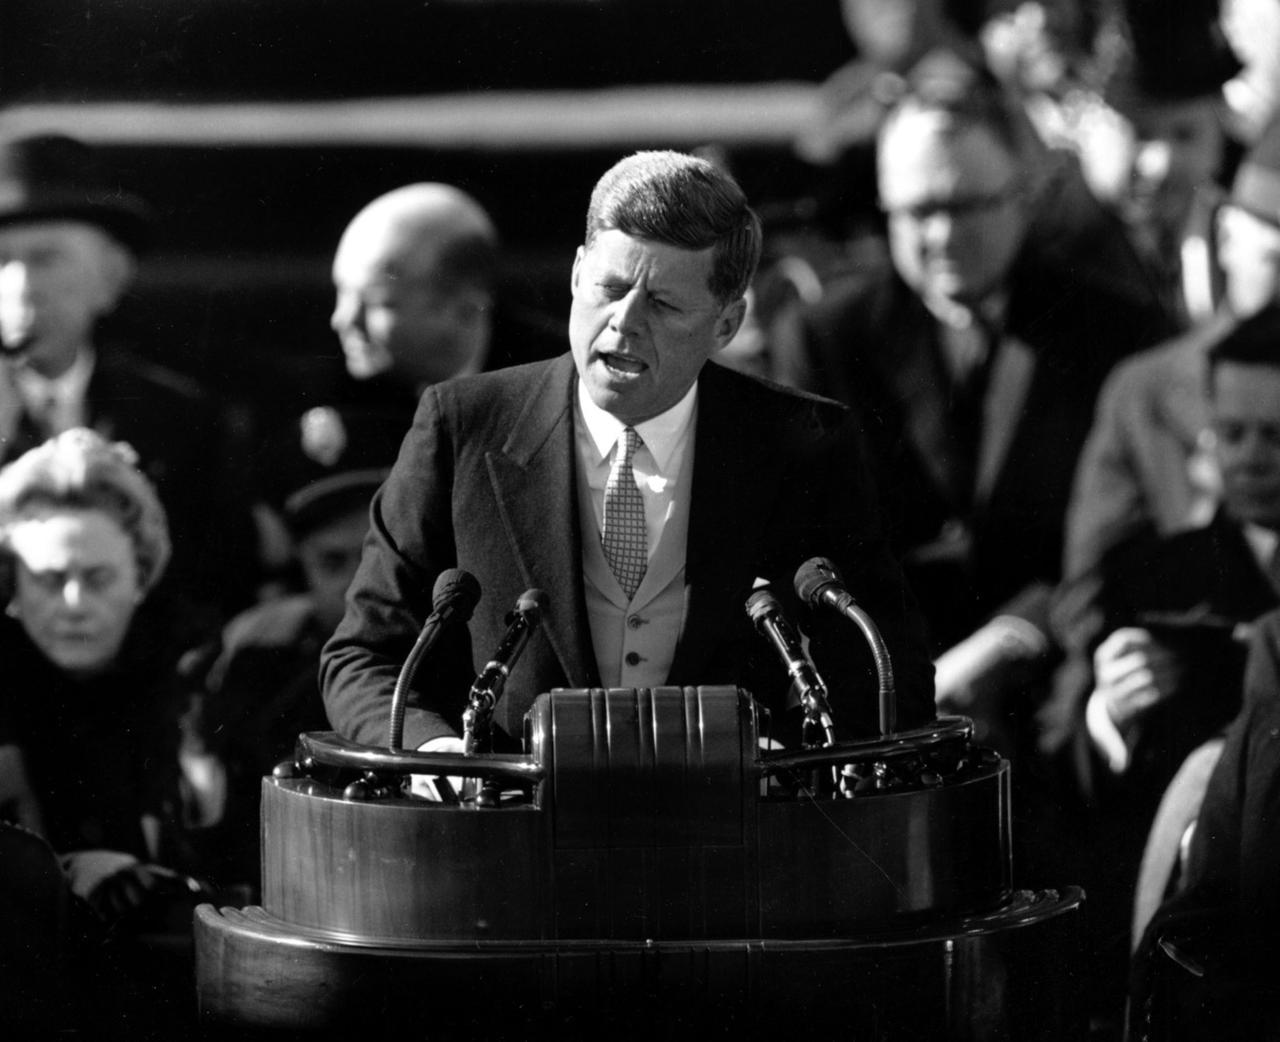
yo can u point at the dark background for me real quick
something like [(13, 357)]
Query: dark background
[(236, 290), (255, 49)]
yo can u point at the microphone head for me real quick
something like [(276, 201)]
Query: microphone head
[(455, 590), (761, 603), (533, 603), (813, 575)]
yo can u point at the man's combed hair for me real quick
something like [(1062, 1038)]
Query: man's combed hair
[(682, 201), (968, 96), (81, 470)]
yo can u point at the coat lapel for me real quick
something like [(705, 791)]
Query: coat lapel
[(908, 364), (733, 468), (1012, 371), (533, 480)]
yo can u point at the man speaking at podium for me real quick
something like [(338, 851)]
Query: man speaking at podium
[(642, 489)]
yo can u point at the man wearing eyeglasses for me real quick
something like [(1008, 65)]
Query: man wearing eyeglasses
[(974, 362)]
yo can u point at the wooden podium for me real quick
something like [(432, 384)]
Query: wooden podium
[(647, 870)]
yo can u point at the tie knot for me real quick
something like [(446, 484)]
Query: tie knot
[(630, 442)]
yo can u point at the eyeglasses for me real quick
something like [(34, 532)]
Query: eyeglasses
[(958, 209)]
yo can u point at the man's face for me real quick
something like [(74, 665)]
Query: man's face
[(889, 32), (1177, 149), (1245, 412), (56, 279), (643, 323), (956, 210), (389, 316), (329, 558), (1249, 253), (77, 586)]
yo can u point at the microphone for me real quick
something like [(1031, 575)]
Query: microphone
[(765, 611), (489, 684), (819, 585), (454, 595), (453, 599)]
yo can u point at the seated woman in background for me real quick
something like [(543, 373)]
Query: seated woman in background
[(89, 715)]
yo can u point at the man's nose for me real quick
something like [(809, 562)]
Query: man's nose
[(628, 312), (936, 229), (73, 593), (1153, 160), (15, 281), (347, 312)]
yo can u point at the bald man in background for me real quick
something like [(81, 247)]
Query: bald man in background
[(415, 277)]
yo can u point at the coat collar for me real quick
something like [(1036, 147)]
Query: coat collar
[(533, 481), (912, 366), (735, 467)]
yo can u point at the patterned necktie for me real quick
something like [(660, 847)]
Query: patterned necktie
[(626, 546)]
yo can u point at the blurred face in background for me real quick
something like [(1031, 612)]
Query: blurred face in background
[(1249, 255), (1177, 148), (77, 586), (391, 315), (1244, 408), (956, 205), (893, 33), (329, 556), (57, 278)]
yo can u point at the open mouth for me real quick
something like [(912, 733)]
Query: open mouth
[(623, 365)]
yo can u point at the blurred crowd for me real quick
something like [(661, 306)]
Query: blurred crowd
[(1040, 262)]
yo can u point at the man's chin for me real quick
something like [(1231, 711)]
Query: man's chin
[(366, 367)]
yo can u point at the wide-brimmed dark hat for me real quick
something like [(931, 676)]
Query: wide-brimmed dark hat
[(1177, 51), (51, 177)]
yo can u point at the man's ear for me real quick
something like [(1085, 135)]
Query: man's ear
[(472, 305), (116, 270), (577, 263), (730, 321)]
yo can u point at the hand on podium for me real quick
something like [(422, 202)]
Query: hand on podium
[(430, 787)]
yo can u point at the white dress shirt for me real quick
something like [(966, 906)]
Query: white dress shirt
[(635, 641), (56, 403)]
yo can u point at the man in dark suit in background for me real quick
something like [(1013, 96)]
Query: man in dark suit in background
[(1169, 664), (69, 237), (642, 489), (973, 363)]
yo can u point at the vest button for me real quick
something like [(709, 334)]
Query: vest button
[(632, 658)]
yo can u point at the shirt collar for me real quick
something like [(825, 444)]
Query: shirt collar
[(69, 385), (1262, 541), (988, 313), (661, 434)]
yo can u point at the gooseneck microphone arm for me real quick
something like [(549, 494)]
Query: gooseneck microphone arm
[(818, 584), (477, 719), (453, 599), (765, 611)]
